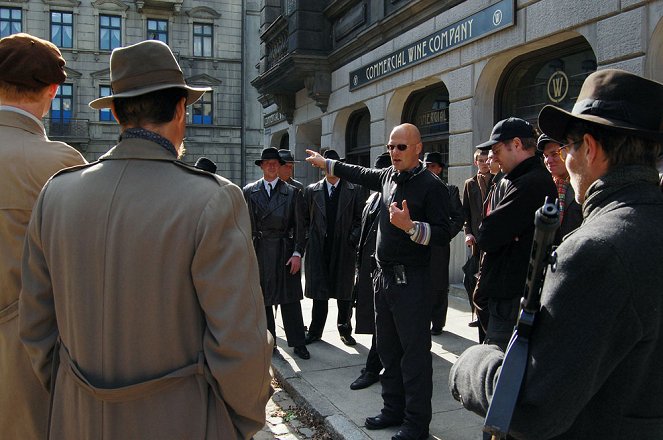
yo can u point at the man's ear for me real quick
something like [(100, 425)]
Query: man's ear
[(595, 153), (52, 90), (112, 109), (180, 110)]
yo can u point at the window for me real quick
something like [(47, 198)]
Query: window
[(202, 40), (62, 29), (553, 75), (105, 113), (157, 30), (110, 32), (358, 138), (10, 21), (62, 105), (202, 110)]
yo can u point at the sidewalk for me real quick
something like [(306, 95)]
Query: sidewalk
[(322, 383)]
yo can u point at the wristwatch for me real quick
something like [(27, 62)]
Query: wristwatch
[(412, 230)]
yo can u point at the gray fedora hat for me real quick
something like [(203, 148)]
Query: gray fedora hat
[(615, 99), (142, 68)]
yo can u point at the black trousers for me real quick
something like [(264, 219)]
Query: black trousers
[(373, 364), (502, 320), (321, 309), (440, 305), (293, 323), (402, 322)]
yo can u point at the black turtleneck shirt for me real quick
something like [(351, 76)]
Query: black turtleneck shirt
[(427, 200)]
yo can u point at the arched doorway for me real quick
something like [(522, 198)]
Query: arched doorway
[(553, 75), (428, 109)]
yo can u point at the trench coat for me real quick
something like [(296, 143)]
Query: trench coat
[(143, 267), (366, 265), (29, 159), (441, 255), (337, 280), (278, 231)]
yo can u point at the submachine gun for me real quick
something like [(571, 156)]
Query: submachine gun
[(498, 418)]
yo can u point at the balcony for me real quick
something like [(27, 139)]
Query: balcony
[(68, 130), (295, 47)]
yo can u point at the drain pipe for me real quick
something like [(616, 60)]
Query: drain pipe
[(242, 104)]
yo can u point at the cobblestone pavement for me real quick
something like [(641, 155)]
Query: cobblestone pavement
[(287, 421)]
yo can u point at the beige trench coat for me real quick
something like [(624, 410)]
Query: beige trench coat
[(145, 269), (27, 160)]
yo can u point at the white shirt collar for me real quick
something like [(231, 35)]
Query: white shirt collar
[(273, 183), (330, 186)]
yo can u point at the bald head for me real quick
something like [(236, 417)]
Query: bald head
[(410, 131), (405, 135)]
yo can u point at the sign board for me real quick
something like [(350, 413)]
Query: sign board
[(481, 24)]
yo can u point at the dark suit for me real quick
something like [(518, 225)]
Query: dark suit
[(473, 200)]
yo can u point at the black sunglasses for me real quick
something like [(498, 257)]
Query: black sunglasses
[(401, 147)]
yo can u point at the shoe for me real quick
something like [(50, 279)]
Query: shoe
[(345, 332), (474, 323), (435, 331), (366, 379), (311, 337), (381, 421), (302, 352), (410, 433), (348, 340)]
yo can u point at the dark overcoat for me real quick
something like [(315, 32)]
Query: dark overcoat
[(366, 265), (596, 349), (440, 255), (335, 281), (278, 231)]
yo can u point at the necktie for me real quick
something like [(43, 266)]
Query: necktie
[(271, 188), (331, 191)]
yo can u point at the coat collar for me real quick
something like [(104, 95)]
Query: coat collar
[(138, 149), (619, 185), (17, 120)]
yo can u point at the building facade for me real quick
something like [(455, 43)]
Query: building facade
[(216, 43), (342, 73)]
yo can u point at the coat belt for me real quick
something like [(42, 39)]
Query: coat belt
[(10, 312), (130, 392)]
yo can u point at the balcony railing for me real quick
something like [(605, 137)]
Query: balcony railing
[(71, 129)]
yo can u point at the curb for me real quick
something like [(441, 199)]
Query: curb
[(307, 396)]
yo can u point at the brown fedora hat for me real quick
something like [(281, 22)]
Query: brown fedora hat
[(142, 68), (615, 99)]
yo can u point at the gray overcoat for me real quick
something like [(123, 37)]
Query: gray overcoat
[(143, 267)]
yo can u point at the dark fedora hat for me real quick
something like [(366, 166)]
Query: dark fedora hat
[(331, 154), (142, 68), (382, 161), (434, 157), (287, 156), (508, 129), (269, 153), (206, 164), (31, 62), (615, 99)]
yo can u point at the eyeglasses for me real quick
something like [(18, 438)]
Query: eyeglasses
[(401, 147), (562, 152), (571, 144)]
